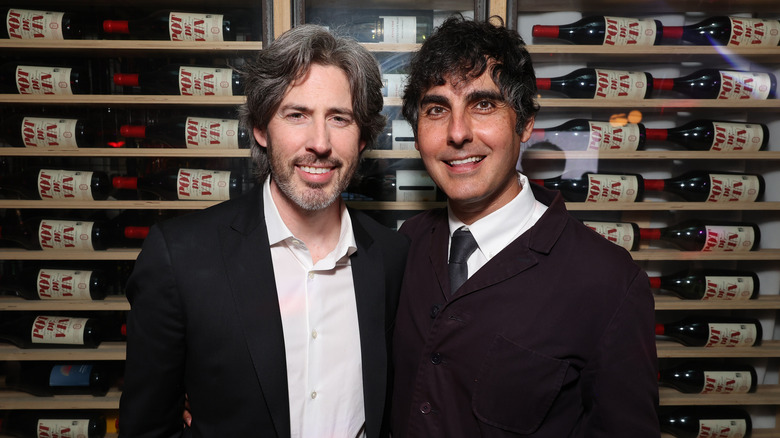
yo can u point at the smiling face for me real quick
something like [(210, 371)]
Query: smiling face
[(467, 140), (313, 140)]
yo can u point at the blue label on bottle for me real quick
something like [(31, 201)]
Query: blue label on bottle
[(70, 375)]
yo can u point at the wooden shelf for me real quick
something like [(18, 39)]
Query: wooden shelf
[(108, 205), (120, 99), (110, 254), (542, 53), (659, 105), (672, 206), (20, 400), (113, 47), (635, 7), (124, 152), (757, 433), (106, 351), (531, 154), (111, 303), (764, 395), (671, 350), (672, 254), (667, 302)]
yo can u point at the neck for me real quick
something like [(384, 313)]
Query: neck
[(470, 211)]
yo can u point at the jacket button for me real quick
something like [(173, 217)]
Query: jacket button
[(425, 408), (436, 358), (434, 311)]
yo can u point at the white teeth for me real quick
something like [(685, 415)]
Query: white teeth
[(315, 170), (467, 160)]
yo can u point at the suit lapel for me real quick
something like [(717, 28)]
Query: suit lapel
[(247, 256)]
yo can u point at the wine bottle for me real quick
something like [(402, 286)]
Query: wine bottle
[(701, 186), (45, 379), (376, 25), (591, 135), (706, 135), (697, 235), (38, 424), (705, 422), (175, 26), (53, 132), (695, 378), (597, 187), (709, 284), (18, 78), (713, 331), (191, 132), (185, 81), (710, 83), (605, 30), (51, 283), (52, 184), (728, 31), (28, 24), (623, 234), (185, 184), (592, 83), (44, 331), (58, 234)]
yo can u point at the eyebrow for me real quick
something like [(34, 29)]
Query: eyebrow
[(307, 110), (474, 96)]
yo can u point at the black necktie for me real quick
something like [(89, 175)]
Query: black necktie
[(462, 246)]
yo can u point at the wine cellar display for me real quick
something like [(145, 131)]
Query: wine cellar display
[(658, 124)]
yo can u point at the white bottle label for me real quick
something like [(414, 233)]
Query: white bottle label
[(729, 238), (58, 330), (43, 80), (605, 136), (737, 137), (55, 234), (393, 84), (617, 84), (400, 30), (617, 233), (183, 26), (63, 284), (733, 188), (726, 382), (612, 188), (754, 32), (204, 81), (736, 85), (63, 428), (414, 185), (731, 335), (65, 184), (722, 428), (620, 31), (199, 184), (202, 132), (728, 288), (34, 25), (39, 132)]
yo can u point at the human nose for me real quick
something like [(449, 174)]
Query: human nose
[(319, 140), (459, 130)]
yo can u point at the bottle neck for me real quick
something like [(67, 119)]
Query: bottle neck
[(543, 83), (663, 84), (136, 232), (659, 329), (655, 282), (126, 79), (116, 26), (673, 32), (655, 185), (542, 31), (133, 131), (656, 134), (125, 182), (649, 233)]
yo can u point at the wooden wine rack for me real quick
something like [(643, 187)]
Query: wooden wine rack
[(768, 393)]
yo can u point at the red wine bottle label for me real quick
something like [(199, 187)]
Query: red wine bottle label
[(63, 284), (618, 84), (736, 85), (731, 137), (202, 132), (183, 26), (620, 31), (612, 188), (733, 188), (65, 184), (754, 32), (56, 234), (722, 428), (726, 382), (393, 84), (39, 132), (398, 30), (729, 238), (34, 25), (204, 81), (64, 427), (731, 335), (605, 136), (58, 330), (43, 80), (728, 287), (70, 375), (617, 233), (198, 184)]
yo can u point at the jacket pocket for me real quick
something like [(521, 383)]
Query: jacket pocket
[(517, 386)]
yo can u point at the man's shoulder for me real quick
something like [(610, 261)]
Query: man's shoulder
[(377, 231), (212, 217), (423, 222)]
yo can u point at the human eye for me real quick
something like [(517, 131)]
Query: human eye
[(341, 119), (485, 105), (433, 110)]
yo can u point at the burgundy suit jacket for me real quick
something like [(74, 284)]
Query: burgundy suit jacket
[(553, 337)]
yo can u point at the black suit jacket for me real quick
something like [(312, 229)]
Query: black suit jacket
[(205, 320), (553, 337)]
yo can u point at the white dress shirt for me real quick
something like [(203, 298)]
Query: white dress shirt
[(497, 230), (321, 334)]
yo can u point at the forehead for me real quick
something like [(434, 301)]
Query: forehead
[(321, 81), (459, 85)]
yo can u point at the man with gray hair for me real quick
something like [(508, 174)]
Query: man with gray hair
[(273, 311)]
